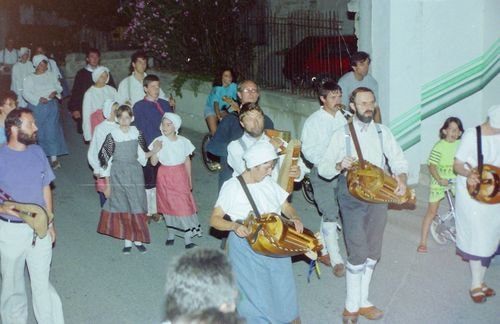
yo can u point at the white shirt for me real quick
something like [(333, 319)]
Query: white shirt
[(120, 136), (132, 90), (19, 72), (235, 153), (8, 57), (100, 132), (267, 194), (93, 100), (173, 152), (317, 132), (369, 142), (36, 86)]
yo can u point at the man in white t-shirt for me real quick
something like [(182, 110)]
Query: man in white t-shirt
[(131, 89), (359, 77)]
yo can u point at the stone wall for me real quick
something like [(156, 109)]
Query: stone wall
[(287, 111)]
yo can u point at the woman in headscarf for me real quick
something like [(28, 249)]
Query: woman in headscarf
[(20, 70), (41, 90), (93, 101), (267, 283), (174, 198), (478, 223)]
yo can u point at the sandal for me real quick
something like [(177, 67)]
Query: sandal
[(422, 249), (488, 292), (478, 296)]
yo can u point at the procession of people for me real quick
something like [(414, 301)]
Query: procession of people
[(143, 173)]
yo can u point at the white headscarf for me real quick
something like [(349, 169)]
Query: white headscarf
[(174, 118), (24, 50), (37, 59), (259, 153), (107, 107), (96, 74), (494, 116)]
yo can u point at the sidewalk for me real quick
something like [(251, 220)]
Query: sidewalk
[(100, 285)]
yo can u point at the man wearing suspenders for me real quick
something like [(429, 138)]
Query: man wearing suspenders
[(363, 222)]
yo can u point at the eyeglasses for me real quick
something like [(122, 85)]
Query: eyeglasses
[(250, 91)]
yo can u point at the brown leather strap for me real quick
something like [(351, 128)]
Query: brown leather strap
[(356, 143)]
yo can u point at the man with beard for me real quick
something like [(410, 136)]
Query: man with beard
[(252, 120), (25, 176), (363, 222), (229, 129)]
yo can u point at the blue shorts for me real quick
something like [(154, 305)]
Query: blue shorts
[(209, 111)]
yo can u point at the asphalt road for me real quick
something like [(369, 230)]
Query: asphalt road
[(98, 284)]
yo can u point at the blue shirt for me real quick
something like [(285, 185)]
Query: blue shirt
[(24, 174), (147, 117), (218, 92)]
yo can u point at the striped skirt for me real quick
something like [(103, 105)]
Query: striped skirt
[(132, 227)]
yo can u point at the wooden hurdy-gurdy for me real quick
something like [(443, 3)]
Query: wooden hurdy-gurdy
[(274, 236), (370, 183), (488, 189)]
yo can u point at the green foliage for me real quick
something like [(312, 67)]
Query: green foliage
[(190, 36)]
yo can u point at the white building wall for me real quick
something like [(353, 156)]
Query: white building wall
[(416, 42)]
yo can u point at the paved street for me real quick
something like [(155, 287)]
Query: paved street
[(98, 284)]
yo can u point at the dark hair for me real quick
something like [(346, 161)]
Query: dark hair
[(14, 119), (447, 123), (7, 94), (150, 78), (247, 108), (358, 90), (122, 109), (93, 50), (200, 279), (359, 57), (326, 88), (135, 56), (218, 77)]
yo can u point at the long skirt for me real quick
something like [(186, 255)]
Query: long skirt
[(174, 199), (50, 131), (266, 284), (123, 215)]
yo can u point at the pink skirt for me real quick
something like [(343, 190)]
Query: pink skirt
[(132, 227), (95, 119), (173, 194)]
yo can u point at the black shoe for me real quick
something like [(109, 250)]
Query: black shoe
[(169, 242), (141, 248), (190, 245), (127, 249)]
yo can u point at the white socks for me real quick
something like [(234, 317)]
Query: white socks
[(366, 277), (353, 286), (478, 272), (151, 201), (331, 239)]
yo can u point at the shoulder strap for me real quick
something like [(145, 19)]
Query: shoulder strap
[(356, 143), (379, 132), (347, 136), (249, 196), (479, 152), (242, 143)]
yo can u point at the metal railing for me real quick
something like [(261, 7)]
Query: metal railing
[(295, 54)]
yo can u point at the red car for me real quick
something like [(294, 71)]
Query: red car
[(318, 58)]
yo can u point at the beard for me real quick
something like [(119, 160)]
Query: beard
[(256, 134), (363, 118), (26, 139)]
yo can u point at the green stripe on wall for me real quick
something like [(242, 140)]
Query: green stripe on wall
[(448, 88)]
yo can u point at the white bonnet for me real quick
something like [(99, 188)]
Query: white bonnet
[(37, 59), (259, 153), (96, 74), (174, 118), (24, 50), (107, 107)]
